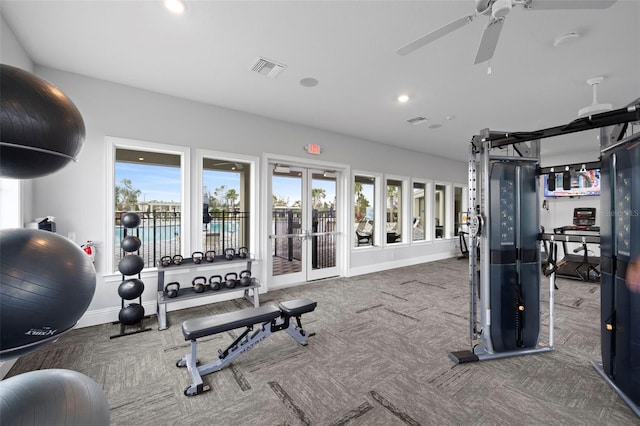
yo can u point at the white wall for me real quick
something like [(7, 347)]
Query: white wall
[(76, 194)]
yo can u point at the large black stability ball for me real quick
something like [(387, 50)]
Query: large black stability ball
[(130, 220), (131, 264), (41, 130), (130, 243), (53, 397), (130, 289), (46, 283), (131, 314)]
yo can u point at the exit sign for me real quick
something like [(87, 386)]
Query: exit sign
[(313, 148)]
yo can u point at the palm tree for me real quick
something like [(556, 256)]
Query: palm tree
[(317, 195), (231, 196), (126, 196)]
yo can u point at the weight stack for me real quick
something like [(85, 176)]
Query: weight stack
[(620, 246), (131, 287), (514, 261)]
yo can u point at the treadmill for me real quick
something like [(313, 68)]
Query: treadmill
[(580, 265)]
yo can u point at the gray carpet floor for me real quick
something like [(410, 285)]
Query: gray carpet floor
[(378, 357)]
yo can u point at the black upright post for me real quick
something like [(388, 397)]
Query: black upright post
[(290, 231)]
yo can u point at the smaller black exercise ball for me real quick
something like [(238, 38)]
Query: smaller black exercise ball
[(130, 289), (130, 220), (131, 265), (41, 130), (130, 243), (131, 314)]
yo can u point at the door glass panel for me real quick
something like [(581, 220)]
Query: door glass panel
[(323, 220), (286, 221)]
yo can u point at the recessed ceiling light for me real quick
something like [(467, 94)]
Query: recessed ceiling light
[(309, 82), (403, 98), (450, 117), (140, 158), (175, 6)]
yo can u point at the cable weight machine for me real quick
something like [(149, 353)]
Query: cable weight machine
[(504, 282)]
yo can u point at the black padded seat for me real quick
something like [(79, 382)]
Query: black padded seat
[(294, 308), (199, 327)]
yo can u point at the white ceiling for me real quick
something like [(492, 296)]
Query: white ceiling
[(350, 47)]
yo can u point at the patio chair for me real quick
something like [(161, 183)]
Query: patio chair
[(364, 232)]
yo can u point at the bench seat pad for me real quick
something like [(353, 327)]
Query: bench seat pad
[(294, 308), (205, 326)]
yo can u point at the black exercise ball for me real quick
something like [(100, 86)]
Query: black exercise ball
[(131, 264), (131, 314), (130, 220), (130, 243), (46, 283), (130, 289), (41, 130), (53, 397)]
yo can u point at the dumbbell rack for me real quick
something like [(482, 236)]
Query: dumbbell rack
[(187, 293)]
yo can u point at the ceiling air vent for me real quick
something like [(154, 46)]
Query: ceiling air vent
[(267, 67), (416, 120)]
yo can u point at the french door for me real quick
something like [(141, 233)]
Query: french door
[(303, 235)]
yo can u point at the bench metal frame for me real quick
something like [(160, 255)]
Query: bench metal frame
[(242, 344)]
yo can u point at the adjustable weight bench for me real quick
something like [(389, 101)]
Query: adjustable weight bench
[(272, 319)]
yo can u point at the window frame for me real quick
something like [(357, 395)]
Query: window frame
[(114, 143), (427, 225), (196, 214), (403, 204), (377, 180)]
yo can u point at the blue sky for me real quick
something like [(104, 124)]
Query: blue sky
[(159, 183), (162, 183)]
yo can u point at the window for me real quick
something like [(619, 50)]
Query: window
[(419, 206), (226, 205), (458, 207), (440, 214), (364, 209), (394, 211), (151, 180)]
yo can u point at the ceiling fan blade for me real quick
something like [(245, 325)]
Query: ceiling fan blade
[(489, 40), (434, 35), (568, 4)]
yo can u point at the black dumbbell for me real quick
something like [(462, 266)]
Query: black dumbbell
[(197, 257), (245, 278), (243, 252), (171, 290), (210, 256), (230, 280), (198, 284), (215, 282), (229, 253)]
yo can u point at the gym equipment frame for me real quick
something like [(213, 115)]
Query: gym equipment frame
[(504, 221), (273, 319)]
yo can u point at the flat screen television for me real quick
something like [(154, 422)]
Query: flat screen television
[(583, 183)]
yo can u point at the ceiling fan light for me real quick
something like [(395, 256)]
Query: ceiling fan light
[(501, 8)]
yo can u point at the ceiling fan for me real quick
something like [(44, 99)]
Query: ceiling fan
[(497, 10)]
